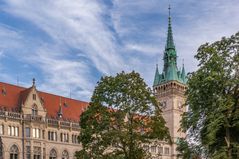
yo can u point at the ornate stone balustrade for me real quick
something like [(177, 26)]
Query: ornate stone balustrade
[(36, 118)]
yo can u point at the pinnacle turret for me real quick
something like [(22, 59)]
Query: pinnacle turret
[(156, 76)]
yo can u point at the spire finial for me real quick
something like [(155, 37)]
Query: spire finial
[(169, 11), (33, 82), (170, 42)]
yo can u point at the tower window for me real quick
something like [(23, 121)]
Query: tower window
[(34, 96)]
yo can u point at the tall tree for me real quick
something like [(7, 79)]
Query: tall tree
[(213, 99), (122, 115)]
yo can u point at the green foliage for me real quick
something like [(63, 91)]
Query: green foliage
[(213, 99), (188, 151), (122, 115)]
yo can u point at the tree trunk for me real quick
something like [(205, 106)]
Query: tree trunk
[(227, 139)]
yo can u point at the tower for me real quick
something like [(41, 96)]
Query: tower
[(169, 88)]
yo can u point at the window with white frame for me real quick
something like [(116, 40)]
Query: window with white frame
[(36, 133), (13, 131), (64, 137), (75, 139), (1, 129), (52, 136)]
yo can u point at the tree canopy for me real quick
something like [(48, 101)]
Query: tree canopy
[(213, 100), (123, 115)]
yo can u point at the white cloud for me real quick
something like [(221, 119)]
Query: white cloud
[(194, 23), (81, 37), (147, 49), (79, 25)]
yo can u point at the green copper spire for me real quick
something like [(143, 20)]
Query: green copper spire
[(170, 43), (170, 70)]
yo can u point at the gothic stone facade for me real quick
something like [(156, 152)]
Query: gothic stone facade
[(38, 125)]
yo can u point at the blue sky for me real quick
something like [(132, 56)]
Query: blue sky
[(68, 45)]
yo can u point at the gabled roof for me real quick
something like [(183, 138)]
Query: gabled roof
[(12, 96)]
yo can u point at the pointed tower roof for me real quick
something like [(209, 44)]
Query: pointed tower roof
[(156, 76), (170, 70), (170, 42), (183, 75)]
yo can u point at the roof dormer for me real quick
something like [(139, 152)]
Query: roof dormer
[(31, 103)]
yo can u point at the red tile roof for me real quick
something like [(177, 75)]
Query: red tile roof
[(11, 97)]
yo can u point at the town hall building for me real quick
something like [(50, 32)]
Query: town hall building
[(39, 125)]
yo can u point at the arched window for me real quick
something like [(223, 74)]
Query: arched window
[(14, 152), (53, 154), (34, 110), (65, 155), (37, 153)]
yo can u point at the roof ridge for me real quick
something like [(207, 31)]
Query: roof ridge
[(25, 88)]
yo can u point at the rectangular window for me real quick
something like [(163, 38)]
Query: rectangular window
[(61, 137), (16, 131), (44, 153), (54, 136), (76, 139), (43, 134), (12, 131), (49, 135), (1, 130), (33, 132), (9, 130), (160, 150), (28, 152), (153, 149), (34, 96), (146, 147), (166, 151), (37, 133), (27, 130)]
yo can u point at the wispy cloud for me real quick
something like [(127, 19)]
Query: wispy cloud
[(77, 29), (71, 44)]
